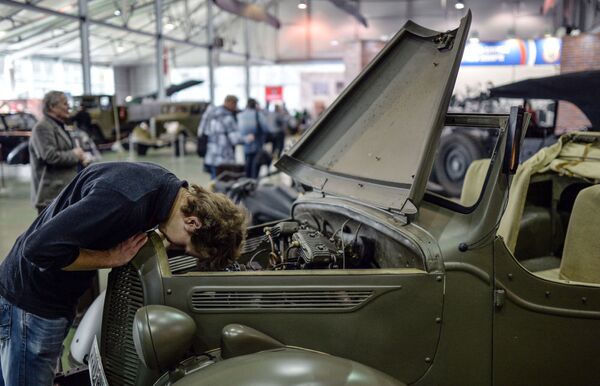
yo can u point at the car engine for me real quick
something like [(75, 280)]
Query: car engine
[(296, 245)]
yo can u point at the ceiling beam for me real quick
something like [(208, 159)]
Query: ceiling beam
[(52, 12)]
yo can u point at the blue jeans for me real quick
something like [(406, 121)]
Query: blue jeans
[(29, 346), (213, 171), (251, 166)]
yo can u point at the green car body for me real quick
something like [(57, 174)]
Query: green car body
[(414, 288)]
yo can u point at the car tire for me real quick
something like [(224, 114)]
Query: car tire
[(457, 151)]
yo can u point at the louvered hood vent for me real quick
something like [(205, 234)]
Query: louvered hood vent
[(182, 264), (327, 299)]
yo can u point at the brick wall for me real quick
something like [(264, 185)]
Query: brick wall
[(579, 53)]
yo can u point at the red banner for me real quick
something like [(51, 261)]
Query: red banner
[(273, 93)]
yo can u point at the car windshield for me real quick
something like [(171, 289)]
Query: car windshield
[(462, 163)]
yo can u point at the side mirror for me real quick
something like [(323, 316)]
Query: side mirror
[(162, 335), (517, 126)]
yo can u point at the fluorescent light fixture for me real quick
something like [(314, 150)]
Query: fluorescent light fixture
[(117, 12), (302, 5), (459, 5)]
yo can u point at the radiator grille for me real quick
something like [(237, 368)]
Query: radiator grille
[(125, 296), (206, 300)]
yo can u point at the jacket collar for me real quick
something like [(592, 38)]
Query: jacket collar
[(60, 126)]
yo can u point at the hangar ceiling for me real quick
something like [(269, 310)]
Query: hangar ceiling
[(50, 28)]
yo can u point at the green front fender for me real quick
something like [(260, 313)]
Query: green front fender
[(287, 367)]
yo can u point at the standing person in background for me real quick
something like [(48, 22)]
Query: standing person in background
[(220, 127), (53, 158), (253, 129), (278, 130)]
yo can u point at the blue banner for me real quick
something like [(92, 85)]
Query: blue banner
[(513, 52)]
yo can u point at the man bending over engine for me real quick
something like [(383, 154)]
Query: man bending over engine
[(98, 221)]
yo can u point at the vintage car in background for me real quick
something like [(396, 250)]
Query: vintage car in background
[(542, 96), (15, 130), (376, 278), (165, 121)]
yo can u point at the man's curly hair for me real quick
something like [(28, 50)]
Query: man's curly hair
[(219, 240)]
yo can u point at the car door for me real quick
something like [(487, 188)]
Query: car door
[(545, 331)]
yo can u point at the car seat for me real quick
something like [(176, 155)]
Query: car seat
[(473, 182), (581, 256), (535, 221)]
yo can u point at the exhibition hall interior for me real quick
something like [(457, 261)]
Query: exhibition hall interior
[(299, 192)]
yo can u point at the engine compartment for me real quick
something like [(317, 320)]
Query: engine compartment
[(317, 239)]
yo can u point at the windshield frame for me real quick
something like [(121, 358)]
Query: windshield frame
[(490, 121)]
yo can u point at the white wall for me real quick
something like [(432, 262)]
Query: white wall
[(31, 78), (230, 80)]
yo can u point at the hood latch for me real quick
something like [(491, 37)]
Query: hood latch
[(445, 40)]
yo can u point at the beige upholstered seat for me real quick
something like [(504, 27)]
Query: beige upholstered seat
[(581, 254), (474, 181)]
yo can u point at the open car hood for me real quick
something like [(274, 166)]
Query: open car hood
[(376, 143)]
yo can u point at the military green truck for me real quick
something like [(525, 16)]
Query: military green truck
[(167, 120), (106, 117), (375, 278), (168, 123)]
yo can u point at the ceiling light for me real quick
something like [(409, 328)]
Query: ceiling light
[(169, 27), (459, 5), (335, 43), (302, 5), (117, 12), (384, 37), (120, 47)]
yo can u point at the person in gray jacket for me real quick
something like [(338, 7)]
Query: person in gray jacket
[(53, 158)]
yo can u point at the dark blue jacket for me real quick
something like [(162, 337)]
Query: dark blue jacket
[(104, 205)]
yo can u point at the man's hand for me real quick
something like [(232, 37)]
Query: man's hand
[(122, 253), (116, 256), (79, 153)]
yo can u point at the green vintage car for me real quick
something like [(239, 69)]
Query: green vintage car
[(376, 278)]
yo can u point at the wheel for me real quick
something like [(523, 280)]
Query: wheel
[(457, 151)]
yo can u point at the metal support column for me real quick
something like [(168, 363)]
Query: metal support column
[(160, 46), (210, 37), (247, 58), (308, 29), (84, 37)]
